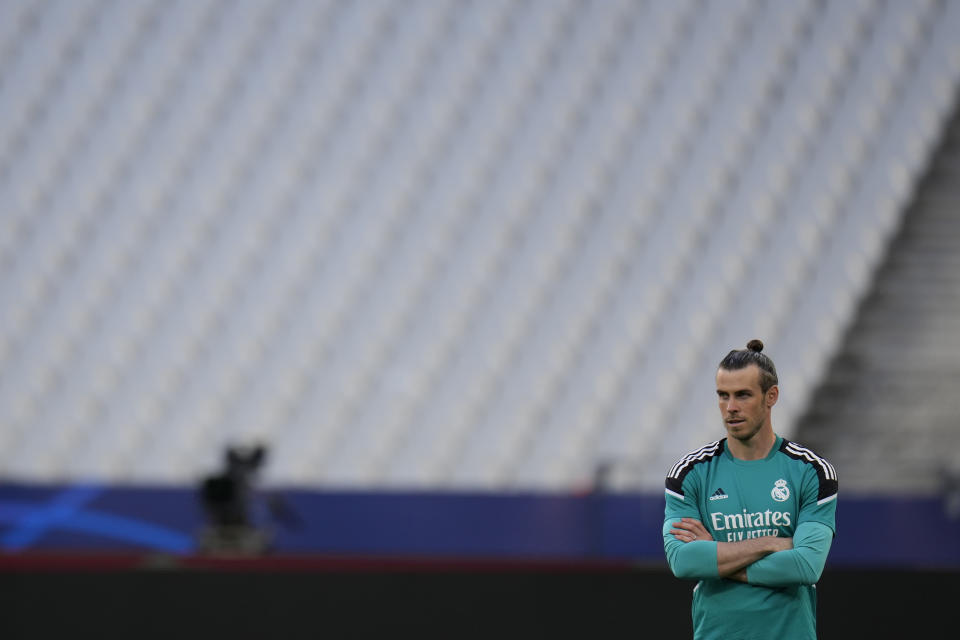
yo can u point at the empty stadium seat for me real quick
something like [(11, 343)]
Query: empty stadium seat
[(437, 244)]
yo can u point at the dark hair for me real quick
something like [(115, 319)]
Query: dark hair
[(741, 358)]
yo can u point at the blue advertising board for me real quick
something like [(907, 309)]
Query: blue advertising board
[(872, 531)]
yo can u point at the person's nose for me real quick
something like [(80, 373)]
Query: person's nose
[(732, 406)]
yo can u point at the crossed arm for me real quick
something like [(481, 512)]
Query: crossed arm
[(769, 560), (732, 557)]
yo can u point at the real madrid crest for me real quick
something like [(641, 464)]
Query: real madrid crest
[(780, 492)]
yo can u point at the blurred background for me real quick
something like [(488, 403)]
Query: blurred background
[(407, 306)]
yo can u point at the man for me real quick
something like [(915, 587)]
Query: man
[(751, 516)]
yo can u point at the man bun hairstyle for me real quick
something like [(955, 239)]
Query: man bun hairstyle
[(742, 358)]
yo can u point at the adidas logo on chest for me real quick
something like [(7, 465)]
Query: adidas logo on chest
[(719, 494)]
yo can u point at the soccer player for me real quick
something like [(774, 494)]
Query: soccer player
[(751, 516)]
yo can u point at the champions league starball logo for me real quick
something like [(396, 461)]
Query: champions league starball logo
[(780, 492)]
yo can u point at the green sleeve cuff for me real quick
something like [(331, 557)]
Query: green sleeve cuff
[(697, 559), (778, 570)]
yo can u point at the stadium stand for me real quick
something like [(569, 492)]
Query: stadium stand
[(890, 391), (439, 244)]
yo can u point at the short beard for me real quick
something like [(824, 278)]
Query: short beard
[(748, 436)]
